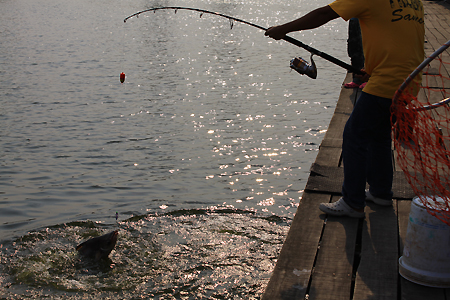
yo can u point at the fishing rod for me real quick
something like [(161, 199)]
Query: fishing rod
[(298, 64)]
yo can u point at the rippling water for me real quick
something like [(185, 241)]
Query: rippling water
[(204, 150)]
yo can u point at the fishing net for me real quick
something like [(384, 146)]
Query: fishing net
[(420, 120)]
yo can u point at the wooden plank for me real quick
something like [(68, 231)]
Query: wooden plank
[(329, 179), (344, 107), (329, 156), (346, 101), (333, 136), (291, 275), (410, 290), (377, 272), (332, 277), (346, 98)]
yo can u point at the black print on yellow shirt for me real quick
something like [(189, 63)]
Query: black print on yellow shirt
[(398, 15), (414, 4)]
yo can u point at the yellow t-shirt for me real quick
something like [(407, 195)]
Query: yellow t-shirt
[(393, 39)]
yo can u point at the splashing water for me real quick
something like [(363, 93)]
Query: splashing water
[(187, 254)]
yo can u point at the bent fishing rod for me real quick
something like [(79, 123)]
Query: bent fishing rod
[(302, 67)]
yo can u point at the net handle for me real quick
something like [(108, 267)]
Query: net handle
[(417, 71), (434, 105)]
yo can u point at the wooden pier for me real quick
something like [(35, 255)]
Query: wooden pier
[(326, 257)]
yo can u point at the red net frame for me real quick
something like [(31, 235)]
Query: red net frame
[(421, 132)]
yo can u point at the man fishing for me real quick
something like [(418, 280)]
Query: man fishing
[(393, 43)]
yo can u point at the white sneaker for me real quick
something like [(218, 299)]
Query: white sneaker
[(379, 201), (340, 209)]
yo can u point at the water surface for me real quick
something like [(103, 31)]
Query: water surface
[(204, 151)]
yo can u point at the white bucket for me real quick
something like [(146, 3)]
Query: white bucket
[(426, 253)]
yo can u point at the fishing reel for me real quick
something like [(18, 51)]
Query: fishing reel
[(303, 67)]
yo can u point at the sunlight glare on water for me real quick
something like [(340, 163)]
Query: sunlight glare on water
[(204, 150)]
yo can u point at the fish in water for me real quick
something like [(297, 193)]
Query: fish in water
[(98, 247)]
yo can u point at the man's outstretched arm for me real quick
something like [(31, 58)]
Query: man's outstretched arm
[(313, 19)]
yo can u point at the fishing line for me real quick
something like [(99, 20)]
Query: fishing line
[(302, 66)]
